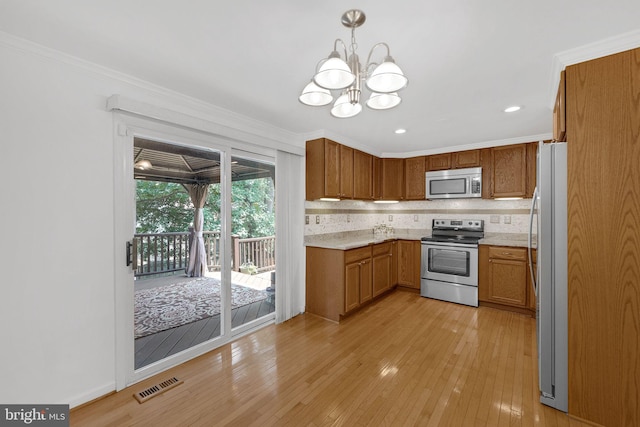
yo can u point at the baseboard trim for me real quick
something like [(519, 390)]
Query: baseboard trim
[(92, 395)]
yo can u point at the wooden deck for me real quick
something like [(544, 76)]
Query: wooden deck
[(154, 347)]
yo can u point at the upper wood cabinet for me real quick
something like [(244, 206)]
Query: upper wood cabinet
[(346, 172), (377, 178), (329, 170), (559, 112), (322, 169), (485, 162), (390, 180), (455, 160), (509, 171), (438, 162), (414, 178), (362, 175), (465, 159), (532, 152)]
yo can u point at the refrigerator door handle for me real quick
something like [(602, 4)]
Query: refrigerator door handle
[(530, 239)]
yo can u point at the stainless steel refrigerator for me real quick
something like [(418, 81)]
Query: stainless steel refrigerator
[(549, 213)]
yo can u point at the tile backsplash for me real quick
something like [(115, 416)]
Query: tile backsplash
[(512, 216)]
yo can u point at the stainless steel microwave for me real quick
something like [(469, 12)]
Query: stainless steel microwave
[(454, 184)]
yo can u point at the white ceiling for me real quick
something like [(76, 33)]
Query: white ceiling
[(466, 60)]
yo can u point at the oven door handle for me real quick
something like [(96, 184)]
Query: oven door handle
[(449, 245)]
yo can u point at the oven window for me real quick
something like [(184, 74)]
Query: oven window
[(450, 261), (448, 186)]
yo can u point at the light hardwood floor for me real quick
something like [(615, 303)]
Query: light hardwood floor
[(402, 361)]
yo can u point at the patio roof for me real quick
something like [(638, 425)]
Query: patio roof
[(187, 165)]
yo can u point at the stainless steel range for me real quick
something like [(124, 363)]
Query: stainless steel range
[(449, 269)]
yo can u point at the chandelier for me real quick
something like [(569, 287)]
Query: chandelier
[(384, 79)]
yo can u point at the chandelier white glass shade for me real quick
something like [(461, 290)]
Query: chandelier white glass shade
[(383, 79), (314, 95)]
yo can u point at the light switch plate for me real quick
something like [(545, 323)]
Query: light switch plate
[(306, 219), (317, 219), (390, 218), (507, 219), (495, 219)]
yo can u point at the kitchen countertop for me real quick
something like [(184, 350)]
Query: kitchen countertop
[(507, 239), (360, 238)]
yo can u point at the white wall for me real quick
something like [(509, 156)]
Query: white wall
[(57, 227), (57, 230)]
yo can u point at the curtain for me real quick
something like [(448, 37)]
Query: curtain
[(197, 256), (290, 252)]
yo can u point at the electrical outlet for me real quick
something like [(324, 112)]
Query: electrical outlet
[(507, 219), (415, 218), (317, 219), (306, 219), (390, 218), (495, 219)]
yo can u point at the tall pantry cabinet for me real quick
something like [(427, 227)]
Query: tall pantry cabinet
[(602, 102)]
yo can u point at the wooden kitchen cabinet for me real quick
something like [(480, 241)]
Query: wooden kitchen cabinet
[(509, 171), (357, 278), (322, 169), (532, 152), (362, 175), (390, 179), (465, 159), (559, 112), (414, 178), (346, 172), (339, 282), (377, 178), (329, 170), (381, 262), (504, 279), (438, 162), (409, 263), (531, 295)]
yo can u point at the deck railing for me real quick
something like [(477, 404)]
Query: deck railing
[(159, 253), (259, 251)]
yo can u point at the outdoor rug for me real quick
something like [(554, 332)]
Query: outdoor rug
[(169, 306)]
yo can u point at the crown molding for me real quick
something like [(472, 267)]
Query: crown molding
[(259, 132), (608, 46)]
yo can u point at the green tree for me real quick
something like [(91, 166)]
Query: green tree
[(166, 207), (162, 207)]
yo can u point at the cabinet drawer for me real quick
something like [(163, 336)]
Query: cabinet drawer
[(503, 252), (353, 255), (382, 248)]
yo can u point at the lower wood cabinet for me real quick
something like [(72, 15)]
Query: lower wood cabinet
[(357, 278), (339, 282), (409, 263), (382, 267), (504, 278)]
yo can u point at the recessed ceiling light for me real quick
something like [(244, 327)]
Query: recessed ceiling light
[(512, 109), (400, 131)]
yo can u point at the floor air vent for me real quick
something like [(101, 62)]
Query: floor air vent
[(153, 391)]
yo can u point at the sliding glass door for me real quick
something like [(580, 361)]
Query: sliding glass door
[(177, 243), (253, 275)]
